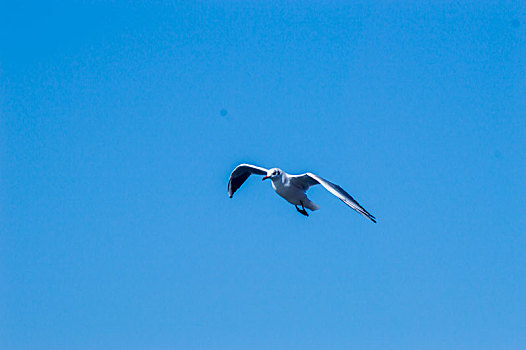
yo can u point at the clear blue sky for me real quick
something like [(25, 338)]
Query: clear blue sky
[(116, 228)]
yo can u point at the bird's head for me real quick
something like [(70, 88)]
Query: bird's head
[(273, 173)]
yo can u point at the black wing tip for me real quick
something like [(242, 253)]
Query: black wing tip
[(370, 217)]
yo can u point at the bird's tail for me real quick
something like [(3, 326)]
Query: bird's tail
[(312, 206)]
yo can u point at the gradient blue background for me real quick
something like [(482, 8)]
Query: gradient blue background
[(116, 228)]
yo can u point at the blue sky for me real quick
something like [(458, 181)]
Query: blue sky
[(117, 231)]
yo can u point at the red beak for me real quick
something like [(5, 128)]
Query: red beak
[(265, 177)]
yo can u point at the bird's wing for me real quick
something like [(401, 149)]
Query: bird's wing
[(307, 180), (241, 174)]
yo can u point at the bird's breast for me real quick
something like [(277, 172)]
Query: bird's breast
[(287, 191)]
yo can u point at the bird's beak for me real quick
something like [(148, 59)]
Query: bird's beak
[(265, 177)]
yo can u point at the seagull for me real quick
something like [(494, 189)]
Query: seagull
[(293, 187)]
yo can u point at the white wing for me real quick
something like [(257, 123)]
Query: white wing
[(241, 174), (307, 180)]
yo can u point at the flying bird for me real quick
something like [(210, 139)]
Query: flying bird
[(293, 187)]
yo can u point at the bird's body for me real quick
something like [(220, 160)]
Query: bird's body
[(293, 188), (293, 194)]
